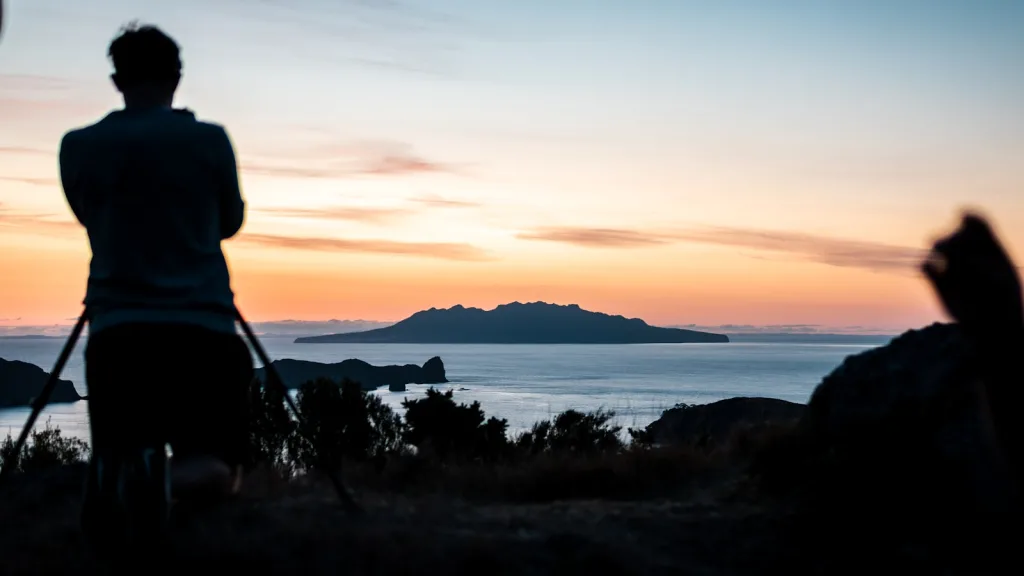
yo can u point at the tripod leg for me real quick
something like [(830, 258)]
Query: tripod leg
[(272, 376), (44, 395)]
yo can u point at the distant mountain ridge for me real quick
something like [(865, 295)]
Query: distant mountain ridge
[(518, 323), (297, 328)]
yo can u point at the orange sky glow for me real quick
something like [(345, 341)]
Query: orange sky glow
[(776, 174)]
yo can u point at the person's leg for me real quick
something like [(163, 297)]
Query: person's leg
[(209, 433), (125, 378), (126, 501)]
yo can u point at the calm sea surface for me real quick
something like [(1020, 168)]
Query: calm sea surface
[(526, 383)]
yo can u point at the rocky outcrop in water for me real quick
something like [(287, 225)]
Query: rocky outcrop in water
[(21, 382), (297, 372)]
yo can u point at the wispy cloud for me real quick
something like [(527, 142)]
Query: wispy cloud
[(10, 218), (314, 327), (20, 82), (822, 332), (9, 327), (44, 100), (383, 34), (351, 213), (280, 171), (26, 150), (442, 250), (370, 214), (31, 180), (433, 200), (24, 109), (346, 160), (22, 94), (767, 329), (823, 249), (52, 330), (595, 237)]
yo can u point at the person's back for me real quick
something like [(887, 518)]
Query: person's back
[(157, 191)]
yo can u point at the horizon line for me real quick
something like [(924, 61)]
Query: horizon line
[(26, 330)]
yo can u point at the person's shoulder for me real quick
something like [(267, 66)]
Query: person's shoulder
[(204, 127), (216, 137), (212, 130), (88, 132), (73, 136), (79, 136), (213, 134)]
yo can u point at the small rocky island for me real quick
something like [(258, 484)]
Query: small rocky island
[(296, 372), (21, 382), (516, 323)]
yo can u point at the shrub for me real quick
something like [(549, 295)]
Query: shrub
[(640, 438), (271, 429), (458, 447), (544, 477), (344, 423), (582, 433), (46, 448), (437, 426)]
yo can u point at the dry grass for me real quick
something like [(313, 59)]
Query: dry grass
[(302, 529), (634, 474), (642, 511)]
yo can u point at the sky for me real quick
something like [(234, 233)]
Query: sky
[(709, 163)]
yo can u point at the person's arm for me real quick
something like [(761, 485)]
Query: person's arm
[(69, 176), (232, 206)]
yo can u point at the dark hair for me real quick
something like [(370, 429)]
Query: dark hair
[(143, 54)]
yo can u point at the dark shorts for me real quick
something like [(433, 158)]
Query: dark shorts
[(151, 384)]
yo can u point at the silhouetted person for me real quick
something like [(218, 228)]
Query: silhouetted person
[(157, 191), (980, 288)]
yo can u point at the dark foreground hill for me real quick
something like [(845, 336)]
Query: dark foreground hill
[(304, 531), (887, 465), (516, 323)]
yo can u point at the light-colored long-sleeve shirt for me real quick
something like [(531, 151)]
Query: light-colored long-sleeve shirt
[(157, 191)]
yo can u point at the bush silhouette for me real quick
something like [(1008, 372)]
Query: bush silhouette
[(442, 429), (457, 446), (272, 430), (583, 433), (640, 438), (46, 448), (346, 423), (343, 423)]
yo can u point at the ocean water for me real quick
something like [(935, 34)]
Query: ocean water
[(526, 383)]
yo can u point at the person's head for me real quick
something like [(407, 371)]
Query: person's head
[(147, 65)]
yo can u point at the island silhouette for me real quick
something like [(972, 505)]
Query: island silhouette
[(21, 382), (294, 373), (519, 323)]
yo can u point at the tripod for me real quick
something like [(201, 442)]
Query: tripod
[(273, 378)]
